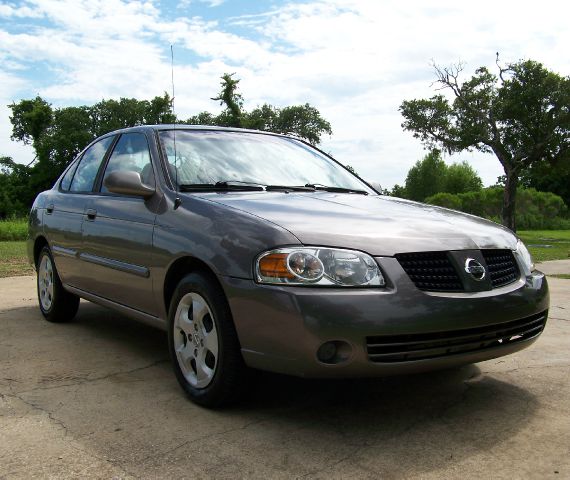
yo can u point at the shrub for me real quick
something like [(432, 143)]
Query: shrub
[(13, 229), (447, 200), (535, 210)]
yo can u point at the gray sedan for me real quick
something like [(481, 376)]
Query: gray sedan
[(256, 250)]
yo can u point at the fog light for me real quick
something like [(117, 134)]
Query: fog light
[(334, 352), (326, 352)]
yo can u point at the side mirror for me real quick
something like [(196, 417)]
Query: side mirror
[(127, 182)]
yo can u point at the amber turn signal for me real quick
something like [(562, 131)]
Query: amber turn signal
[(275, 266)]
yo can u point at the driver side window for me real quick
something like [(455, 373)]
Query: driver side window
[(131, 154)]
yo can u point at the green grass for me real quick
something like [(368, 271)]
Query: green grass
[(14, 260), (558, 242), (565, 276), (13, 229)]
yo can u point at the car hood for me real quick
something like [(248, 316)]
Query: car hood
[(379, 225)]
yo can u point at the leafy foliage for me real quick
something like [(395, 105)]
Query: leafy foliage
[(303, 121), (535, 210), (13, 229), (426, 177), (14, 188), (59, 134), (460, 178), (521, 115), (432, 175)]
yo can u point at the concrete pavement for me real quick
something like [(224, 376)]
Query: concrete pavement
[(555, 267), (96, 398)]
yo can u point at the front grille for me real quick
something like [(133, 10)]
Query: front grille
[(431, 271), (502, 267), (423, 346)]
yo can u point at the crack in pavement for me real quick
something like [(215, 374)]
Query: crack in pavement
[(96, 379), (556, 318), (66, 431), (529, 367), (35, 406), (201, 438)]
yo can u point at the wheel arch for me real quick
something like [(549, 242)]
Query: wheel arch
[(181, 267), (39, 243)]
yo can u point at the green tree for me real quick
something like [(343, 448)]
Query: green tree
[(13, 188), (460, 178), (30, 120), (233, 101), (426, 177), (549, 178), (58, 135), (521, 115), (303, 121), (399, 191)]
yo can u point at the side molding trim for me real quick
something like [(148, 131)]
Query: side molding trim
[(64, 252), (116, 264)]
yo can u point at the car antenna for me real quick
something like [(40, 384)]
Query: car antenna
[(177, 200)]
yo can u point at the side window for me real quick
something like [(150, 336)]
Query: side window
[(89, 164), (131, 153), (66, 180)]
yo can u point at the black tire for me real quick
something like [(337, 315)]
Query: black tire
[(230, 371), (63, 305)]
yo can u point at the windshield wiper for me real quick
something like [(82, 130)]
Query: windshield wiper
[(222, 186), (292, 188), (326, 188), (236, 185)]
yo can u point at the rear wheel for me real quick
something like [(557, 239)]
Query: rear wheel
[(56, 304), (203, 343)]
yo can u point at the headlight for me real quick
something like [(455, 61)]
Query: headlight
[(318, 266), (524, 256)]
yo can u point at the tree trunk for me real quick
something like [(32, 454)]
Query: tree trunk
[(509, 199)]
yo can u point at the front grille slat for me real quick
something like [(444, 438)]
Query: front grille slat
[(435, 272), (431, 271), (502, 267), (423, 346)]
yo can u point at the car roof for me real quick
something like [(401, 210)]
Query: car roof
[(183, 126)]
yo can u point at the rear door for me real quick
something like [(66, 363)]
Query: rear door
[(65, 209), (118, 229)]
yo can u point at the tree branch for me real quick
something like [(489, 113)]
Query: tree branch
[(501, 69)]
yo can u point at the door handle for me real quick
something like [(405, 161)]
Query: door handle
[(91, 213), (49, 208)]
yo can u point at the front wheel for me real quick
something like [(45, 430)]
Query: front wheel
[(56, 304), (203, 343)]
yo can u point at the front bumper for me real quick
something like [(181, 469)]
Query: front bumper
[(281, 328)]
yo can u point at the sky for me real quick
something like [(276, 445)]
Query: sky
[(354, 60)]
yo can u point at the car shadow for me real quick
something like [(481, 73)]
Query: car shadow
[(411, 424)]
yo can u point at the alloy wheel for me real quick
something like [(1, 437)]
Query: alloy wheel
[(196, 340)]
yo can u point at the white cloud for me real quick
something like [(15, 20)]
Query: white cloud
[(355, 60), (7, 11), (210, 3), (12, 87)]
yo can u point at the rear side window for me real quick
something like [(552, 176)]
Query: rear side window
[(131, 154), (89, 165), (66, 180)]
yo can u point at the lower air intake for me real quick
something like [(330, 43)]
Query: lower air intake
[(424, 346)]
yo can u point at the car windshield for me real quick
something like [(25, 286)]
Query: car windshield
[(208, 157)]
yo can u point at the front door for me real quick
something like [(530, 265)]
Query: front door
[(117, 232)]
